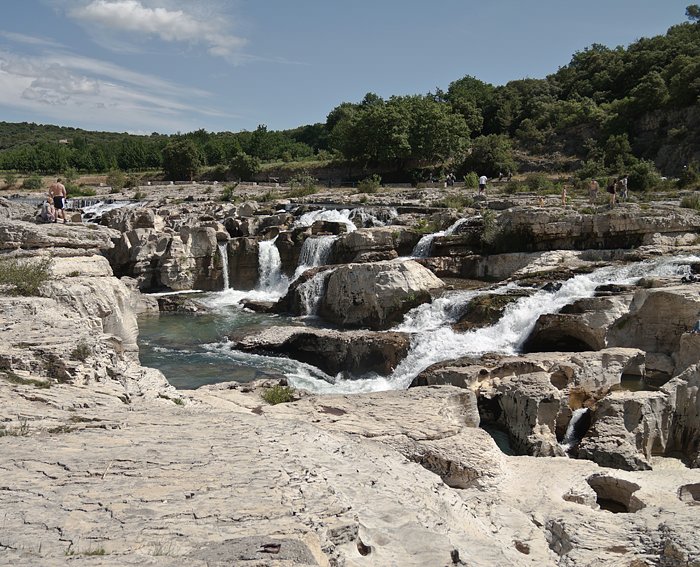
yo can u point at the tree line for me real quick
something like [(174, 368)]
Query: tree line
[(612, 109)]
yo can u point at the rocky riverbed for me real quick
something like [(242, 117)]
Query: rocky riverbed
[(510, 314)]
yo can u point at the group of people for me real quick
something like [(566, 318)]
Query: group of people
[(54, 207), (617, 188)]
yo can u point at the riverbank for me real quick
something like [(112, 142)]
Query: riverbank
[(107, 463)]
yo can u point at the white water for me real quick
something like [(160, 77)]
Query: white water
[(96, 211), (314, 252), (271, 279), (223, 250), (433, 340), (423, 248), (311, 291), (331, 215), (570, 436)]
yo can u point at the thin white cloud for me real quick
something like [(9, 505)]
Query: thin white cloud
[(29, 39), (138, 17), (89, 91)]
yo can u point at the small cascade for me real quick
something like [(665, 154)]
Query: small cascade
[(573, 433), (311, 292), (425, 244), (223, 250), (315, 251), (271, 279), (330, 215)]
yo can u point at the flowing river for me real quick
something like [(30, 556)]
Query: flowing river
[(193, 350)]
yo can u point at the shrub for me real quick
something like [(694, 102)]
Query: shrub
[(24, 277), (302, 184), (278, 394), (471, 180), (139, 195), (690, 176), (643, 176), (370, 184), (511, 188), (456, 201), (691, 201), (10, 180), (116, 179), (33, 183), (539, 182), (227, 193), (81, 351), (76, 191)]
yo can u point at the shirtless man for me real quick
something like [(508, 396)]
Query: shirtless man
[(57, 192)]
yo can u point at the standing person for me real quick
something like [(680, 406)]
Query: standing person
[(612, 188), (57, 192), (482, 184), (563, 196), (623, 188), (593, 189)]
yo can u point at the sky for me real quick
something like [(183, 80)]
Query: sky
[(167, 66)]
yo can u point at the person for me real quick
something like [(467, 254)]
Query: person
[(482, 184), (509, 173), (57, 192), (593, 191), (623, 188), (48, 212), (563, 196), (611, 188)]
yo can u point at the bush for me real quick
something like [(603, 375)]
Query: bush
[(81, 351), (75, 191), (24, 277), (456, 202), (370, 184), (689, 177), (511, 188), (643, 176), (116, 179), (278, 394), (227, 193), (691, 202), (10, 180), (539, 182), (244, 166), (33, 183), (302, 184), (471, 180)]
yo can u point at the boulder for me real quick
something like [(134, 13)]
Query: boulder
[(376, 295), (356, 352), (684, 401)]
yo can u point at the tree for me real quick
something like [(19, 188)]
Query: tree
[(491, 155), (244, 166), (181, 160), (692, 12)]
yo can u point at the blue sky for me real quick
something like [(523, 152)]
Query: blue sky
[(165, 66)]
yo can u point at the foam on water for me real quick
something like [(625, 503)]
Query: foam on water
[(331, 215)]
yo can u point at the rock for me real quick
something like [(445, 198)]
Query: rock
[(356, 352), (73, 239), (485, 310), (375, 295), (368, 243), (684, 401)]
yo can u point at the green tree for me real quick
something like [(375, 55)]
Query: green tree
[(181, 160), (491, 155), (244, 166), (692, 12)]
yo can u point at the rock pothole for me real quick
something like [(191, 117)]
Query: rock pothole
[(615, 494)]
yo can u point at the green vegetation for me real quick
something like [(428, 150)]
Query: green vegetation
[(587, 112), (370, 184), (278, 394), (302, 184), (33, 183), (81, 351), (691, 201), (13, 378), (10, 180), (227, 192), (24, 277)]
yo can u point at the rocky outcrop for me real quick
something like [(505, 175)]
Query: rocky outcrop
[(374, 244), (684, 400), (375, 295), (62, 239), (355, 352)]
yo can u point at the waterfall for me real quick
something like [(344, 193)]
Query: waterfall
[(311, 292), (271, 279), (425, 244), (431, 343), (331, 215), (223, 250), (571, 436), (315, 251)]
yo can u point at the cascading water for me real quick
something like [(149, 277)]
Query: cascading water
[(314, 252), (223, 250), (422, 249), (271, 279), (571, 437), (330, 215), (310, 293)]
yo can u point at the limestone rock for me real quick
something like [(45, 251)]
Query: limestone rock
[(356, 352), (375, 295)]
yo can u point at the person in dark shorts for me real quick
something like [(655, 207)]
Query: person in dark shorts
[(57, 192)]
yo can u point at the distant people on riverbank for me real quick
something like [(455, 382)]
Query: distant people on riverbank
[(593, 189), (57, 192), (47, 212), (622, 188), (482, 184), (611, 189)]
